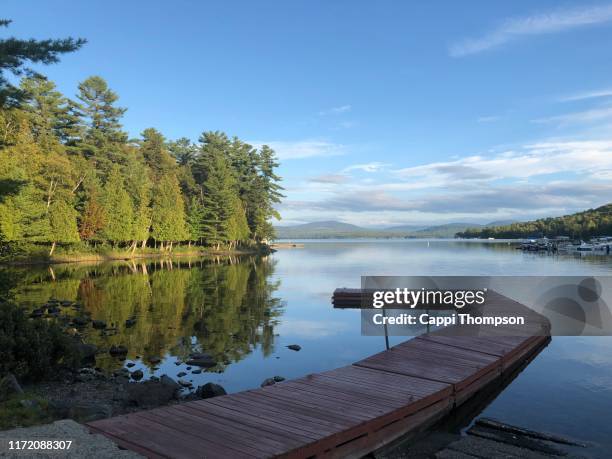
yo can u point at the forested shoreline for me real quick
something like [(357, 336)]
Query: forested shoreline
[(581, 225), (71, 177)]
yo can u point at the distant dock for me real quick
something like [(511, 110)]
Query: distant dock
[(287, 245)]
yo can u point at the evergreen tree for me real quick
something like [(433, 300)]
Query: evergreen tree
[(183, 150), (62, 223), (51, 115), (140, 188), (168, 213), (16, 53), (195, 220), (219, 191), (103, 139), (155, 153), (118, 210)]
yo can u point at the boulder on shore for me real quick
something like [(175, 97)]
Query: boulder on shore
[(9, 387), (268, 382), (209, 390)]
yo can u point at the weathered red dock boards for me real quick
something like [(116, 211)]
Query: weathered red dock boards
[(346, 412)]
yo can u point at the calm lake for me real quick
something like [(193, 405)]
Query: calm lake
[(245, 311)]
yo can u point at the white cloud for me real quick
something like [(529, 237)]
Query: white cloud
[(539, 179), (302, 148), (369, 167), (538, 24), (586, 157), (596, 94), (336, 110), (585, 116)]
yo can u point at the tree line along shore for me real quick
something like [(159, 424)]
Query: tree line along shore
[(73, 182), (581, 225)]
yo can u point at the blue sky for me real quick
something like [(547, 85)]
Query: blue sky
[(382, 113)]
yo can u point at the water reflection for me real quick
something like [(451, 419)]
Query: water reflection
[(224, 307)]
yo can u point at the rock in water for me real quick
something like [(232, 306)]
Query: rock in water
[(130, 323), (181, 374), (137, 375), (294, 347), (268, 382), (9, 387), (202, 360), (98, 324), (209, 390), (278, 379)]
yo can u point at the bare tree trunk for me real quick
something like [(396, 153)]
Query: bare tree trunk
[(52, 248), (144, 244), (134, 245), (76, 187), (161, 246), (52, 273)]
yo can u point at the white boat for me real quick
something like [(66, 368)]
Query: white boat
[(585, 247)]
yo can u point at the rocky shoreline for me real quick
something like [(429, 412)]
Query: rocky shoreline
[(88, 394)]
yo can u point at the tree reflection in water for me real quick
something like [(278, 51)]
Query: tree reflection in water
[(222, 306)]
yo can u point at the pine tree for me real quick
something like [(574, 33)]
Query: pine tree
[(51, 115), (15, 53), (183, 150), (103, 139)]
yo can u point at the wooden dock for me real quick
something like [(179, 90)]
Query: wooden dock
[(346, 412)]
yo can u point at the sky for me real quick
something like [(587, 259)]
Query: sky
[(382, 113)]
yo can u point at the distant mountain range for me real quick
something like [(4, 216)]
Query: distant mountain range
[(335, 229)]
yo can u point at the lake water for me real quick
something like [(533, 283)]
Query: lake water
[(245, 311)]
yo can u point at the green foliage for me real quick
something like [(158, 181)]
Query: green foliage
[(582, 225), (168, 220), (63, 224), (16, 53), (118, 210), (68, 173), (31, 349)]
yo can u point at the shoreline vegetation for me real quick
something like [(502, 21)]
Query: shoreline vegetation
[(73, 180), (43, 258)]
